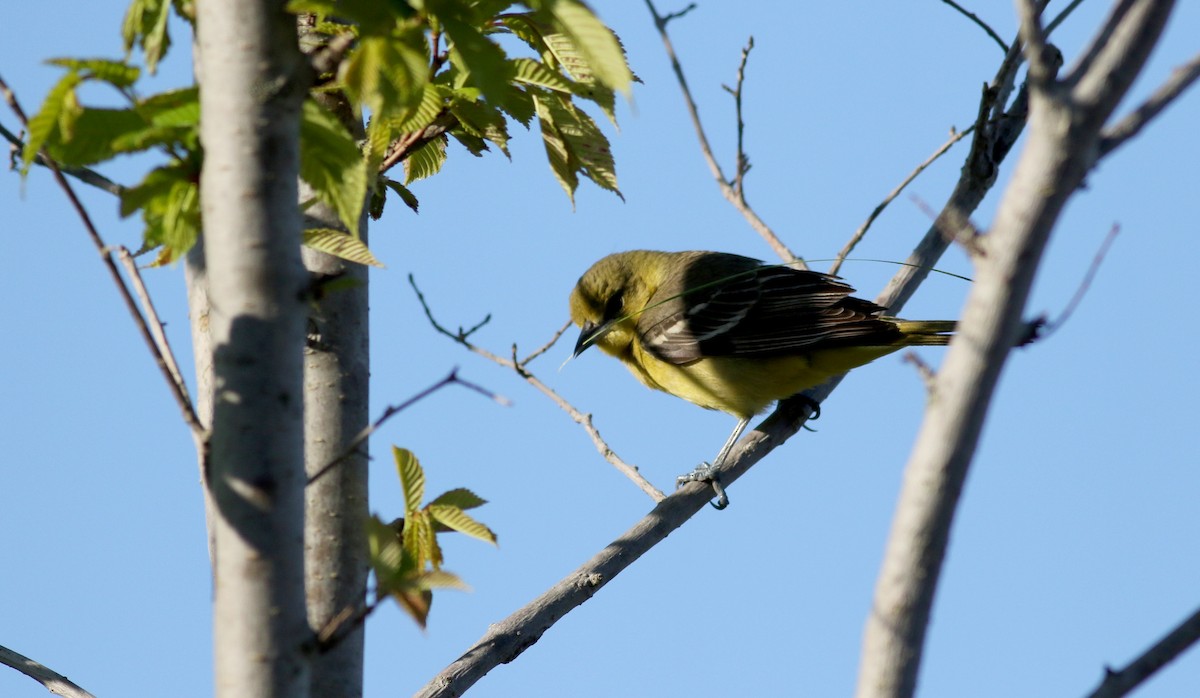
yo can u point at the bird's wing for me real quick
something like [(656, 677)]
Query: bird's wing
[(760, 312)]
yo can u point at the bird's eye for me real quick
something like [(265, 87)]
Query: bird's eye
[(615, 306)]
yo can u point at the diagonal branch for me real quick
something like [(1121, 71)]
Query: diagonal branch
[(1066, 119), (54, 682), (521, 367), (1122, 682), (1181, 78), (982, 24), (859, 234), (178, 391), (733, 194)]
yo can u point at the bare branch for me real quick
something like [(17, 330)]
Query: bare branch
[(1050, 328), (955, 136), (733, 195), (54, 682), (393, 410), (743, 162), (1181, 78), (1122, 682), (982, 24), (178, 391), (1060, 151), (584, 420), (160, 341), (83, 174)]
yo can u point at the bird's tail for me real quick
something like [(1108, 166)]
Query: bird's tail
[(926, 333)]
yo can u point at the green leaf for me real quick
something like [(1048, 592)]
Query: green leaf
[(420, 540), (460, 521), (47, 119), (475, 54), (385, 73), (341, 244), (460, 497), (116, 73), (169, 199), (332, 164), (145, 25), (412, 478), (387, 555), (562, 162), (425, 161), (595, 43), (405, 195), (587, 150), (425, 112), (533, 72), (482, 120)]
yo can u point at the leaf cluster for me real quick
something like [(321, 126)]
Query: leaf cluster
[(405, 554), (421, 71)]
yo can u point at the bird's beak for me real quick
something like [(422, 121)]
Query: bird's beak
[(588, 334)]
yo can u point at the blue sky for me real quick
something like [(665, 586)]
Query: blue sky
[(1074, 546)]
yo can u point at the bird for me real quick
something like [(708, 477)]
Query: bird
[(732, 333)]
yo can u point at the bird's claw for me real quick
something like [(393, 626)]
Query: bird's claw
[(706, 472)]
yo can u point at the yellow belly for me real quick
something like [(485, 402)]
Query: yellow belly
[(744, 387)]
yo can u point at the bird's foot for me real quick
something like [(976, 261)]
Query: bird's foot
[(706, 472)]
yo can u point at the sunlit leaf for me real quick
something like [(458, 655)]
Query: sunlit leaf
[(331, 163), (459, 520), (412, 478), (425, 161)]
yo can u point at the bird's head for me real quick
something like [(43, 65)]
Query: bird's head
[(604, 303)]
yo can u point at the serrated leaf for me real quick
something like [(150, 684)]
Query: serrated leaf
[(170, 203), (562, 162), (460, 497), (587, 150), (340, 244), (116, 73), (415, 603), (412, 478), (593, 41), (420, 540), (145, 25), (433, 101), (387, 555), (42, 125), (332, 164), (172, 108), (425, 161), (460, 521), (475, 54), (386, 74), (405, 195), (533, 72), (482, 120)]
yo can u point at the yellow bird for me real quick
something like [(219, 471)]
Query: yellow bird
[(731, 333)]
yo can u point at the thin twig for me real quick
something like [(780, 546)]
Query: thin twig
[(160, 337), (181, 397), (54, 682), (727, 189), (1061, 16), (1122, 682), (955, 136), (393, 410), (545, 347), (344, 624), (982, 24), (580, 418), (1048, 328), (743, 162), (1181, 78), (83, 174)]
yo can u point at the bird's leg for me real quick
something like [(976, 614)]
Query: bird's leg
[(706, 472)]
